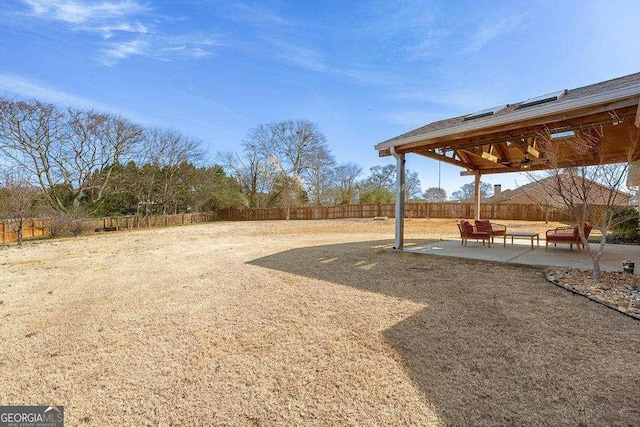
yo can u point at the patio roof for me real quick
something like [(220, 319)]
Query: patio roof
[(506, 138)]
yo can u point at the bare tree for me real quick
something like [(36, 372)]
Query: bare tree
[(73, 149), (289, 147), (381, 177), (319, 177), (252, 171), (286, 193), (92, 145), (162, 155), (587, 193), (30, 132), (20, 199), (413, 189), (467, 191), (380, 185), (345, 177), (435, 194)]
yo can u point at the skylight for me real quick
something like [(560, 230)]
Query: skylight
[(543, 99), (563, 134), (484, 113)]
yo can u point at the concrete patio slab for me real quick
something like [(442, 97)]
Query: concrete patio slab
[(521, 253)]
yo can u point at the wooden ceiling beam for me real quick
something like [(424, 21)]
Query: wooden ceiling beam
[(536, 166), (482, 157), (488, 154), (535, 153), (575, 118), (445, 159), (524, 129), (501, 151)]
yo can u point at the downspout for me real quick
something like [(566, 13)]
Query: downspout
[(400, 193)]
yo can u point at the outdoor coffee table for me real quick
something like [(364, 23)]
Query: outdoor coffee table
[(522, 235)]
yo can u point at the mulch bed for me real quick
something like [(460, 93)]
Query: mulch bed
[(618, 291)]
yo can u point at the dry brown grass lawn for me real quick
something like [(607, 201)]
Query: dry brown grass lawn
[(309, 322)]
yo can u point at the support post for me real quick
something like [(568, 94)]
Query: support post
[(476, 195), (400, 196)]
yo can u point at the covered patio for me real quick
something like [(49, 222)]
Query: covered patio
[(509, 138), (521, 253)]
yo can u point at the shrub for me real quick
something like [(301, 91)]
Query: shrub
[(67, 222), (626, 221), (59, 225)]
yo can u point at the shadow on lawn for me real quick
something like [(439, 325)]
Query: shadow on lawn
[(496, 344)]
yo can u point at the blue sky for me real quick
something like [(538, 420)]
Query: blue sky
[(363, 71)]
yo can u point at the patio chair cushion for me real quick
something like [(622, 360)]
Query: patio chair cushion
[(468, 231), (494, 229), (569, 235)]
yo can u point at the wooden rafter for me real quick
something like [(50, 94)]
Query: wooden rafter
[(514, 131), (531, 148), (501, 151), (502, 148), (487, 153), (443, 158)]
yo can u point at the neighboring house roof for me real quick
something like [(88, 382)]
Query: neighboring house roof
[(619, 87), (508, 194), (534, 191)]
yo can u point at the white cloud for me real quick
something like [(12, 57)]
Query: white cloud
[(128, 28), (487, 32), (33, 89), (29, 88), (259, 14), (79, 12), (109, 30), (315, 60), (417, 28), (120, 50), (298, 55), (158, 47)]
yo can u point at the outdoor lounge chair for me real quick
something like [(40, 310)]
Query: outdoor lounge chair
[(494, 229), (568, 235), (468, 231)]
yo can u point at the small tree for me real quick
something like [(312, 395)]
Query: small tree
[(20, 203), (413, 189), (587, 193), (287, 192)]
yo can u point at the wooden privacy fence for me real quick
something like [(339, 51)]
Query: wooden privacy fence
[(38, 228), (522, 212), (31, 228), (131, 222)]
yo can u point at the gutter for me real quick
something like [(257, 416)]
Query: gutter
[(592, 100)]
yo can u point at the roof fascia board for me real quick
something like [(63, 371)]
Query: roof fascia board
[(573, 104)]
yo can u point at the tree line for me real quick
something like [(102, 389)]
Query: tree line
[(76, 162), (72, 162)]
